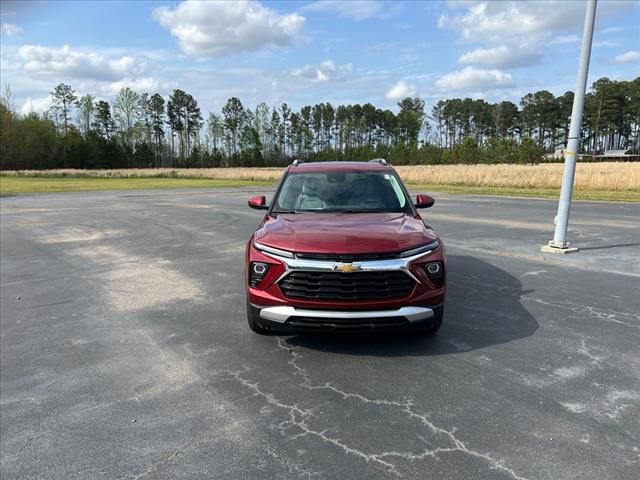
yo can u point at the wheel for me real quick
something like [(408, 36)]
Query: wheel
[(436, 322), (253, 319)]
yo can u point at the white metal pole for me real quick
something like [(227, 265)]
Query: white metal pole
[(571, 153)]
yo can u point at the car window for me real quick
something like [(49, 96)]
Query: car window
[(341, 192), (397, 189)]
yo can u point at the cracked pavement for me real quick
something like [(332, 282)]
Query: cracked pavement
[(124, 350)]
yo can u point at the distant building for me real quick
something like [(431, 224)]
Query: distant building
[(628, 155), (558, 154)]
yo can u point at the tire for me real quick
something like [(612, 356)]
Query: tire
[(253, 319), (436, 322)]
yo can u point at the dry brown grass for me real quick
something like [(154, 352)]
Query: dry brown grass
[(251, 174), (610, 176)]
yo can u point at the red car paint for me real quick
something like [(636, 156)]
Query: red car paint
[(343, 233)]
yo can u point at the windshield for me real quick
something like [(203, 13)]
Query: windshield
[(353, 192)]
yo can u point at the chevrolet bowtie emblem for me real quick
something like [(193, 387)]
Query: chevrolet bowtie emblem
[(346, 267)]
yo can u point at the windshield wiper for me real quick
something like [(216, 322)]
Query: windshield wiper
[(331, 210), (285, 211), (359, 211)]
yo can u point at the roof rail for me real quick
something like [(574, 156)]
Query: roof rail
[(296, 162), (379, 160)]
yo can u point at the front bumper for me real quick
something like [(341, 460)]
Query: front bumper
[(269, 293), (287, 318), (420, 308)]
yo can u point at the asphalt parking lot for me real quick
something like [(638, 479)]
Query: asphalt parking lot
[(125, 352)]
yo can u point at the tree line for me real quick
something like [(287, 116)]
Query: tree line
[(143, 130)]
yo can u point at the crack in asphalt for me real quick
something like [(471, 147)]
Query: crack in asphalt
[(298, 417), (157, 464), (290, 466), (599, 314), (586, 351)]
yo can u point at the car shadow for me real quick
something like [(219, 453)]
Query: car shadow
[(482, 309)]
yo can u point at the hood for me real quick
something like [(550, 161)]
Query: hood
[(344, 233)]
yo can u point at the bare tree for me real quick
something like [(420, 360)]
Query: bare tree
[(261, 120), (125, 110), (64, 98), (215, 130), (7, 99), (86, 108)]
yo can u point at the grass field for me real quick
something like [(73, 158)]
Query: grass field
[(594, 181)]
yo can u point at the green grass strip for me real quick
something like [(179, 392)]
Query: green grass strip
[(25, 185)]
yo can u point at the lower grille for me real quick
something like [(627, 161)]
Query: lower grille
[(307, 323), (346, 286)]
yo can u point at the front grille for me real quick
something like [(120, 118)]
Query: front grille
[(346, 286)]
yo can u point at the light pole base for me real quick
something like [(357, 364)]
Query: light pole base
[(554, 248)]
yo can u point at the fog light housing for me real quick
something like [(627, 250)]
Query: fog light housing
[(435, 272), (257, 272)]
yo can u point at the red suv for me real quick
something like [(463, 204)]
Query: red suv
[(342, 247)]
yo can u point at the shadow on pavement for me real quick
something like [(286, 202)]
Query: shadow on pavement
[(482, 309), (605, 247)]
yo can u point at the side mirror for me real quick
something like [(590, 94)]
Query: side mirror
[(424, 201), (258, 203)]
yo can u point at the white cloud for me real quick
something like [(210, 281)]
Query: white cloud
[(611, 30), (502, 56), (358, 10), (323, 72), (513, 34), (631, 56), (563, 40), (35, 105), (471, 78), (605, 44), (66, 62), (496, 22), (215, 29), (401, 90), (144, 84), (11, 30)]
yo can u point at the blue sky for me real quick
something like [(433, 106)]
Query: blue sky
[(308, 52)]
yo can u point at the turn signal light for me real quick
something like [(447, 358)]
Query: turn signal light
[(257, 272), (435, 272)]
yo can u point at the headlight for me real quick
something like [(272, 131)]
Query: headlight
[(435, 272), (257, 272)]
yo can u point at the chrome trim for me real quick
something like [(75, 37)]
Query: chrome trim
[(429, 247), (282, 314), (394, 264), (273, 251)]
